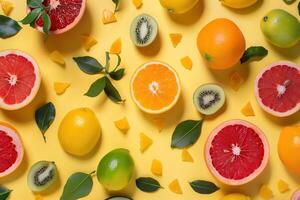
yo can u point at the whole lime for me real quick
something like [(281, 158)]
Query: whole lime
[(79, 131), (281, 28), (115, 169)]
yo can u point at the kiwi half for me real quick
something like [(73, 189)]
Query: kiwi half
[(143, 30), (209, 99), (41, 176), (118, 198)]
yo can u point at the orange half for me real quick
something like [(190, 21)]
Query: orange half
[(155, 87)]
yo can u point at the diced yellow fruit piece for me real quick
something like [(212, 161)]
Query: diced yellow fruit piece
[(88, 42), (265, 192), (116, 47), (57, 57), (137, 3), (156, 167), (38, 197), (282, 186), (108, 16), (145, 142), (236, 81), (247, 110), (7, 7), (175, 39), (61, 87), (186, 156), (122, 125), (159, 123), (175, 187), (187, 62)]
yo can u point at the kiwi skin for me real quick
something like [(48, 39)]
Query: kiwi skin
[(210, 89), (118, 198), (36, 168)]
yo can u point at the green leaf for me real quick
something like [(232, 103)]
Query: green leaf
[(4, 193), (186, 133), (88, 65), (46, 23), (204, 187), (32, 16), (78, 186), (117, 75), (116, 2), (107, 63), (147, 184), (111, 92), (44, 117), (35, 3), (254, 52), (289, 1), (96, 88), (8, 27)]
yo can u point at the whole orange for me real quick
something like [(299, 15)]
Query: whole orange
[(221, 43), (289, 148)]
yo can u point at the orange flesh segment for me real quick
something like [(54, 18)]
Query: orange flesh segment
[(88, 42), (282, 186), (175, 39), (155, 87), (7, 7), (265, 192), (236, 81), (122, 125), (174, 186), (108, 17), (145, 142), (187, 62), (137, 3), (57, 57), (247, 110), (156, 167), (116, 47), (186, 156)]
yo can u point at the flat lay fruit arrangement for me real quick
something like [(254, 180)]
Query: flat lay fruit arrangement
[(150, 99)]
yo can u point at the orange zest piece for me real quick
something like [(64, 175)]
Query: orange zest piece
[(61, 87), (6, 6), (282, 186), (108, 16), (247, 110), (88, 42), (137, 3), (265, 192), (174, 186), (122, 125), (116, 47), (156, 167), (236, 81), (175, 39), (187, 62), (145, 142), (159, 123), (186, 156), (57, 57)]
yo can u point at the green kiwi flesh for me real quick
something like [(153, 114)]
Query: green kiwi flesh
[(118, 198), (143, 30), (41, 176), (209, 99)]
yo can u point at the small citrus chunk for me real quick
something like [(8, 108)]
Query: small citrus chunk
[(116, 47), (265, 192), (187, 62), (88, 42), (156, 167), (174, 186), (159, 123), (7, 7), (175, 39), (247, 110), (57, 57), (108, 16), (61, 87), (282, 186), (186, 156), (145, 142), (236, 81), (137, 3), (122, 125)]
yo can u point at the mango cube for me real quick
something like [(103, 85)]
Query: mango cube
[(88, 42), (265, 192), (145, 142), (7, 7), (247, 110), (175, 187), (175, 39), (187, 62), (122, 125), (236, 81), (156, 167), (186, 156), (116, 47), (282, 186), (137, 3), (57, 57), (61, 87), (108, 16)]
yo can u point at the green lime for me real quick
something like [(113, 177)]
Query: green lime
[(115, 169)]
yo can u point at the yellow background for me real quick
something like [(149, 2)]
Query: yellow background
[(31, 41)]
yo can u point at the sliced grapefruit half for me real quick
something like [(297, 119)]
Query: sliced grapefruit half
[(277, 89), (19, 79), (296, 195), (11, 149), (155, 87), (236, 152)]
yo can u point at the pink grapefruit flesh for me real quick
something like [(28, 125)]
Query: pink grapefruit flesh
[(64, 15), (296, 195), (236, 152), (277, 89), (11, 149), (19, 79)]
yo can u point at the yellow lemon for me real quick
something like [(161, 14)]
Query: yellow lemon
[(79, 131), (178, 6), (235, 196), (238, 3)]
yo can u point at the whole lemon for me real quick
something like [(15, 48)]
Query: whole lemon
[(178, 6), (79, 131), (235, 196), (238, 3)]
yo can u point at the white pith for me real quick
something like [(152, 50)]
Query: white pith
[(296, 140), (12, 79), (54, 4), (154, 87), (236, 150)]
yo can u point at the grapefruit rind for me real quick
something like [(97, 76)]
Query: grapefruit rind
[(252, 176), (296, 195), (13, 133), (256, 90), (35, 88)]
